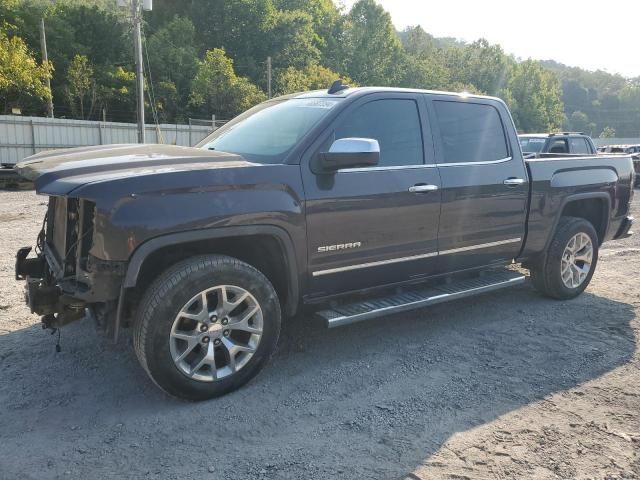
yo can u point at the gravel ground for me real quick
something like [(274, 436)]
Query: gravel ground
[(506, 385)]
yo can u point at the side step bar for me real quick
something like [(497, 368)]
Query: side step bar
[(419, 296)]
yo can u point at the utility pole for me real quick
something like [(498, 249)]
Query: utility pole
[(269, 76), (137, 39), (45, 59), (137, 6)]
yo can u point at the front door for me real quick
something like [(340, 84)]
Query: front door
[(484, 184), (370, 226)]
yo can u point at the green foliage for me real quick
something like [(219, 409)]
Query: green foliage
[(294, 41), (117, 93), (373, 51), (217, 88), (579, 122), (173, 62), (20, 74), (483, 65), (192, 45), (312, 77), (609, 100), (608, 132), (80, 78), (533, 94)]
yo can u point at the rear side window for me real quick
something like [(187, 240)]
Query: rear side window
[(470, 132), (394, 123), (579, 145)]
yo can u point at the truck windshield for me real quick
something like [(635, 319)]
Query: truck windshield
[(268, 131), (532, 144)]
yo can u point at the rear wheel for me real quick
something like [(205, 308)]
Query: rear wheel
[(569, 263), (207, 326)]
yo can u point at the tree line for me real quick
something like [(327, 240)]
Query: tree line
[(205, 57)]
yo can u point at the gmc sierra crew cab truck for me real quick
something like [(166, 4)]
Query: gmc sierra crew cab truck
[(353, 203)]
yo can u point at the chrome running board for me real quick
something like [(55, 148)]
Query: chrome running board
[(419, 296)]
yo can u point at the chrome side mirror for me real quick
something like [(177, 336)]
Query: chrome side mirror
[(350, 153)]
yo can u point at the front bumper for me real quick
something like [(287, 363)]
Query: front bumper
[(625, 228)]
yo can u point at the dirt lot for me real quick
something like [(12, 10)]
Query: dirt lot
[(507, 385)]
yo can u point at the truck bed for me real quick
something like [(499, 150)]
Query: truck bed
[(556, 181)]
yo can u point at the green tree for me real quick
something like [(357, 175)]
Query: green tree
[(372, 48), (240, 27), (294, 41), (327, 23), (425, 72), (417, 42), (579, 122), (80, 82), (534, 97), (117, 94), (608, 132), (312, 77), (483, 65), (21, 76), (173, 62), (93, 28), (216, 89)]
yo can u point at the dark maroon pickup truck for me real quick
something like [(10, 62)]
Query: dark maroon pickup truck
[(354, 203)]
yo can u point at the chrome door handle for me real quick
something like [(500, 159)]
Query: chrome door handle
[(512, 182), (423, 188)]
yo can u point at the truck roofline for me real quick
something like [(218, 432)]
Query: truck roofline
[(357, 91)]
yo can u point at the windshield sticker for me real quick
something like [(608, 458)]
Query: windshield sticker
[(317, 103)]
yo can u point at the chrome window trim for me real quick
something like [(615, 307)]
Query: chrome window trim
[(402, 167), (487, 162), (390, 167), (413, 257)]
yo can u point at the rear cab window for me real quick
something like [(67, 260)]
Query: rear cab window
[(559, 145), (470, 132)]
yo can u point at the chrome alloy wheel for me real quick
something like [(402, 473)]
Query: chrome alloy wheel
[(216, 333), (576, 260)]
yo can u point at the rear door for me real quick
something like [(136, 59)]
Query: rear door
[(368, 227), (484, 182)]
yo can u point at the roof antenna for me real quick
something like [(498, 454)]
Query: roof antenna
[(337, 86)]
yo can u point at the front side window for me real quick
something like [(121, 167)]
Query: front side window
[(470, 132), (394, 123), (268, 131), (579, 145)]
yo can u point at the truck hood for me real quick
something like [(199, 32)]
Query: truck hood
[(58, 172)]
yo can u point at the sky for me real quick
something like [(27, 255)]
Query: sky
[(590, 34)]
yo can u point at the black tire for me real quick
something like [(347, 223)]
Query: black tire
[(546, 274), (167, 295)]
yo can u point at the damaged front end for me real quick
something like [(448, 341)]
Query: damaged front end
[(64, 282)]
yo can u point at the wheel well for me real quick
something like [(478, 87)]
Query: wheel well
[(264, 252), (594, 210)]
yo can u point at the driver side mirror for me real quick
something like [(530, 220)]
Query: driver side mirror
[(350, 153)]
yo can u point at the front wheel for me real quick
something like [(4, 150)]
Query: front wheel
[(569, 263), (206, 326)]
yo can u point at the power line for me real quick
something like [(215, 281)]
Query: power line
[(150, 92)]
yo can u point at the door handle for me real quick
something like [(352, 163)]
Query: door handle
[(421, 188), (512, 182)]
